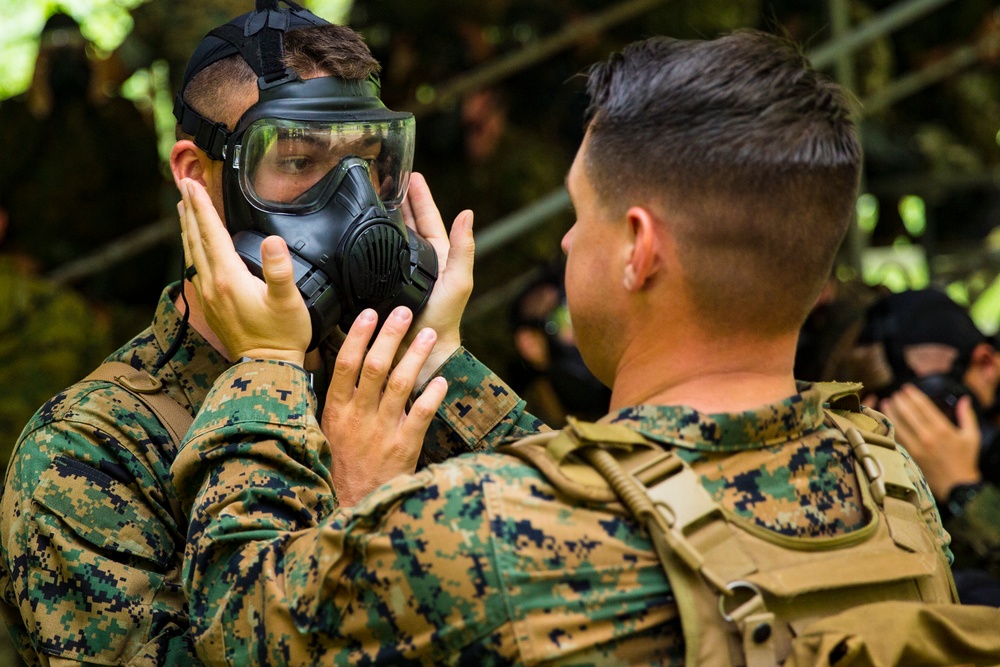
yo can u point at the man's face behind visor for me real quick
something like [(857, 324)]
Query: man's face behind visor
[(291, 166)]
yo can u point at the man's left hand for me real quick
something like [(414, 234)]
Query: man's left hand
[(372, 436), (455, 253)]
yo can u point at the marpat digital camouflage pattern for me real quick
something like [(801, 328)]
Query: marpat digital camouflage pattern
[(91, 534), (92, 531), (478, 561)]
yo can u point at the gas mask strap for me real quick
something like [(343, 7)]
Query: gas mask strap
[(260, 42), (181, 334)]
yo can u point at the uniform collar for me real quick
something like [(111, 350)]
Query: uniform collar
[(683, 426), (187, 377)]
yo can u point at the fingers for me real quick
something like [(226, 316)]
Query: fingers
[(182, 216), (462, 249), (423, 410), (424, 216), (966, 415), (902, 430), (401, 383), (194, 250), (350, 357), (408, 218), (379, 359), (209, 241)]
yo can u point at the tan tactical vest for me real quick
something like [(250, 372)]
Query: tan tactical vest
[(744, 592)]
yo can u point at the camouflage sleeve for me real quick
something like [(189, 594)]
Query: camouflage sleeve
[(975, 533), (90, 551), (478, 411), (266, 585), (927, 504)]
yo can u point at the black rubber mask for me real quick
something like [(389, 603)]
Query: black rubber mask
[(327, 171)]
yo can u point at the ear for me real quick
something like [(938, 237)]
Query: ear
[(644, 252), (986, 355), (983, 374), (986, 358), (188, 161)]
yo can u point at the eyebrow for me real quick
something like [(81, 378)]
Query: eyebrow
[(304, 138)]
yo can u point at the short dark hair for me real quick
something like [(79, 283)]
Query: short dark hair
[(753, 154), (218, 92)]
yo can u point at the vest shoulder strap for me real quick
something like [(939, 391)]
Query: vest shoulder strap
[(742, 592), (148, 390)]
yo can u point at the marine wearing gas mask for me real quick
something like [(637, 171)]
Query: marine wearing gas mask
[(322, 163), (897, 327)]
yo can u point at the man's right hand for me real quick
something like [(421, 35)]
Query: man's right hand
[(263, 320), (455, 253)]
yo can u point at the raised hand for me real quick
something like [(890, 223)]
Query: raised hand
[(947, 454), (455, 253), (252, 318), (372, 436)]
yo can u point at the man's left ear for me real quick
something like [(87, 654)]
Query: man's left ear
[(644, 254)]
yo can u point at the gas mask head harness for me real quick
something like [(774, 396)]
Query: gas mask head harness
[(322, 163)]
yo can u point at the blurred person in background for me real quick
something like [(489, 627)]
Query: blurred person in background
[(549, 372), (86, 171), (925, 364)]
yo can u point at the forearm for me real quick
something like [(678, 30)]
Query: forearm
[(479, 411), (975, 531), (254, 475), (266, 583)]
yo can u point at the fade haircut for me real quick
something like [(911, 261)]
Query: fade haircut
[(219, 91), (750, 155)]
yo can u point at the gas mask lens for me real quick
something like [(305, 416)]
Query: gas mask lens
[(289, 166)]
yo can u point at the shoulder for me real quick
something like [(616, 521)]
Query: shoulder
[(95, 422)]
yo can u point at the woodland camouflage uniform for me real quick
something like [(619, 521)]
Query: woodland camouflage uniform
[(478, 560), (91, 531)]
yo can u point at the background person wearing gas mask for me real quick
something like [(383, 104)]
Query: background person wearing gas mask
[(92, 533), (936, 376)]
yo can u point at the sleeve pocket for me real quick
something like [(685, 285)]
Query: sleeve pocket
[(103, 511)]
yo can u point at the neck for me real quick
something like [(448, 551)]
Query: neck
[(196, 320), (728, 374)]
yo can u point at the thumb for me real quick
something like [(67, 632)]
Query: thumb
[(278, 271), (462, 250)]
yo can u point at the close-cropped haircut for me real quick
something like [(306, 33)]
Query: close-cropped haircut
[(220, 90), (748, 153)]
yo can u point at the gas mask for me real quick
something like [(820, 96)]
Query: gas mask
[(323, 164)]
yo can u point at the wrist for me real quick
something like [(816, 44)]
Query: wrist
[(296, 357), (438, 357), (960, 495)]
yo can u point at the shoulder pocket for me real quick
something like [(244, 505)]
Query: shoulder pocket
[(103, 511)]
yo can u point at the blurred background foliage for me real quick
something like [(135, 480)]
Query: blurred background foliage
[(495, 86)]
